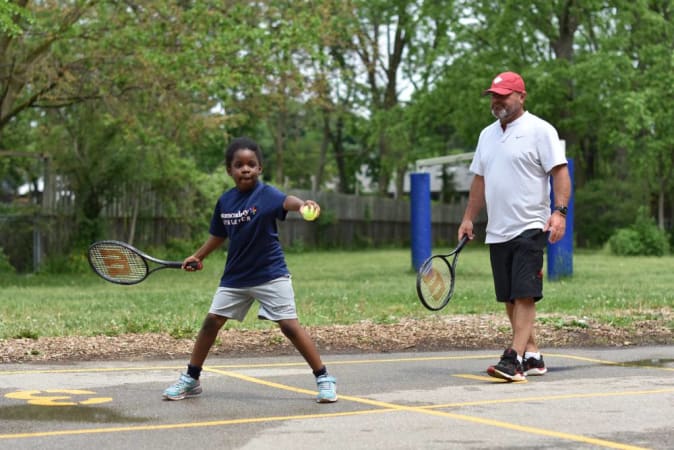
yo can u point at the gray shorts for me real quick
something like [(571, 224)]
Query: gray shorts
[(276, 298)]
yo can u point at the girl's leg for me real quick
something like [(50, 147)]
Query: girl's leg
[(188, 385), (327, 385), (206, 337), (303, 343)]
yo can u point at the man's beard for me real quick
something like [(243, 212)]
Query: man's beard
[(501, 113)]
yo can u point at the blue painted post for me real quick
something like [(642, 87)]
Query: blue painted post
[(420, 217), (560, 254)]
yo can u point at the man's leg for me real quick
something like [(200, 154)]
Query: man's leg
[(532, 363), (522, 315)]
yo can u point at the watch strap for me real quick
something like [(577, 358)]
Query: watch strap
[(562, 209)]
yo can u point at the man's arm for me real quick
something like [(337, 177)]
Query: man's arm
[(476, 202), (561, 185)]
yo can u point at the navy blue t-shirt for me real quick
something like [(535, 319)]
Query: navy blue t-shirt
[(248, 220)]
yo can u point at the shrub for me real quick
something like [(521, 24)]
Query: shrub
[(642, 238), (597, 219), (5, 265), (74, 262), (178, 249)]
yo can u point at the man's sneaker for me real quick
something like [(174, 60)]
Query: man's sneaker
[(508, 368), (185, 387), (533, 366), (327, 389)]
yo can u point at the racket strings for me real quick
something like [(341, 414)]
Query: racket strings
[(435, 281), (118, 263)]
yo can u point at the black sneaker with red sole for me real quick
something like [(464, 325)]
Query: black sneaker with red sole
[(534, 367), (508, 368)]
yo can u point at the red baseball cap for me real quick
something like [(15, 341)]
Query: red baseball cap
[(506, 83)]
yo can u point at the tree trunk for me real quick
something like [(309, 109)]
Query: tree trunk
[(338, 146), (134, 219)]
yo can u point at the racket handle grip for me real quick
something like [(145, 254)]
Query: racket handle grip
[(195, 265), (464, 240)]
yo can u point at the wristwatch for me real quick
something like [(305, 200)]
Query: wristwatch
[(562, 210)]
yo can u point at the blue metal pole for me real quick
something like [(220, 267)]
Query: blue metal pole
[(560, 254), (420, 217)]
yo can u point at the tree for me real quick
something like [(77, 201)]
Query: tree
[(256, 54), (374, 45), (648, 130), (10, 15), (31, 73), (332, 96), (120, 112), (583, 65)]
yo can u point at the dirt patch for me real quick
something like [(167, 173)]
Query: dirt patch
[(434, 334)]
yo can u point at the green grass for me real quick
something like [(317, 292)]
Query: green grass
[(331, 288)]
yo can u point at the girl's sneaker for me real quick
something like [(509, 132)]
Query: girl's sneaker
[(185, 387), (327, 389)]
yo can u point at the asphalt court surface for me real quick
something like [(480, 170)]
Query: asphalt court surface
[(590, 398)]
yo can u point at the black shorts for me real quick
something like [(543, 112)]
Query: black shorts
[(517, 266)]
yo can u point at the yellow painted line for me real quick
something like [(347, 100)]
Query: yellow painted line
[(306, 391), (496, 423), (415, 359), (173, 426), (259, 381), (550, 397), (583, 358), (330, 363), (47, 397), (247, 366), (385, 407), (482, 378), (90, 370), (539, 431), (462, 417)]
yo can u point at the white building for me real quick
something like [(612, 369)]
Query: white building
[(455, 168)]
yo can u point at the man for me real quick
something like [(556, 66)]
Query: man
[(512, 166)]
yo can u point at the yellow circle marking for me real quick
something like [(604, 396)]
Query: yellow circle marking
[(46, 398)]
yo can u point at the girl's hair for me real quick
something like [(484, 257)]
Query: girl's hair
[(242, 143)]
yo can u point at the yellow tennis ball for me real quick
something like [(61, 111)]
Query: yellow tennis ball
[(308, 212)]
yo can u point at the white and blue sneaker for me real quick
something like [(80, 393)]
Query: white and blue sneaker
[(185, 387), (327, 389)]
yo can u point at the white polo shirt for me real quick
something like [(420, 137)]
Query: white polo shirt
[(516, 164)]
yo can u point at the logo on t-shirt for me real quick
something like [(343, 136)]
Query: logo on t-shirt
[(238, 217)]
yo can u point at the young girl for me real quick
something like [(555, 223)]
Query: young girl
[(255, 268)]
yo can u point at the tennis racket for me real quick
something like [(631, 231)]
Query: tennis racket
[(436, 278), (121, 263)]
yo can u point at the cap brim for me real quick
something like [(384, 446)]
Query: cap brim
[(498, 91)]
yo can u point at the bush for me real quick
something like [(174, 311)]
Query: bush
[(643, 238), (71, 263), (178, 249), (596, 219), (5, 265)]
